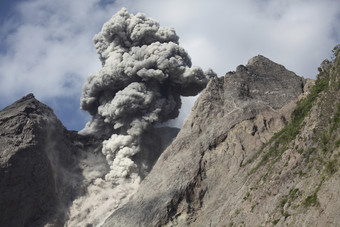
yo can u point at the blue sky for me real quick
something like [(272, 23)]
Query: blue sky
[(46, 46)]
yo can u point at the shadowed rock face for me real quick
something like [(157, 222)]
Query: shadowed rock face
[(44, 167), (39, 169), (241, 110), (264, 81)]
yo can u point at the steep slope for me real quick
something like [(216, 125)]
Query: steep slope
[(40, 165), (261, 147), (301, 161), (49, 175), (201, 177)]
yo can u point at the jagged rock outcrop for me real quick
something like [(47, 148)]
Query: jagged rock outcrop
[(261, 147), (44, 167), (200, 178), (40, 169), (250, 157)]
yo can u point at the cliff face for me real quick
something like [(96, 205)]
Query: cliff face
[(46, 170), (250, 154), (261, 147), (40, 165), (203, 176)]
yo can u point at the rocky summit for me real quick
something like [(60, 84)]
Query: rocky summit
[(260, 147), (40, 165), (195, 180)]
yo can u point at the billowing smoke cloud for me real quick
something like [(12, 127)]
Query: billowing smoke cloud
[(144, 74)]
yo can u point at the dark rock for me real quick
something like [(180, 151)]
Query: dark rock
[(44, 167), (39, 171)]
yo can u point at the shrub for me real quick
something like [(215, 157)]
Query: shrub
[(331, 167), (311, 200), (276, 221), (337, 143), (336, 119)]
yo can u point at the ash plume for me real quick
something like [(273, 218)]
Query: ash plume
[(143, 76), (144, 73)]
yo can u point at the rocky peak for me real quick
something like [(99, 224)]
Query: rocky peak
[(249, 154), (263, 80), (28, 106), (20, 123), (230, 120), (244, 157), (46, 171), (40, 165), (262, 63)]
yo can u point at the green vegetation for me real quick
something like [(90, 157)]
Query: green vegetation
[(280, 140), (288, 199), (294, 194), (312, 200), (305, 105), (253, 206), (282, 204), (336, 119), (276, 221), (318, 149), (337, 143), (325, 141), (336, 50), (308, 153), (246, 196), (331, 166)]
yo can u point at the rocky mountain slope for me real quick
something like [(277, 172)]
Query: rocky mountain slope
[(230, 121), (250, 154), (260, 148), (44, 167), (41, 165)]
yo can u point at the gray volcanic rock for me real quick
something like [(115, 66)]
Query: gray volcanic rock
[(268, 82), (39, 165), (232, 118), (44, 167), (261, 147)]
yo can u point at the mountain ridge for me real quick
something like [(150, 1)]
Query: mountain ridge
[(39, 162), (260, 147), (178, 179), (285, 176)]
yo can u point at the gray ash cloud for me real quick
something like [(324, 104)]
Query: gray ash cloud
[(143, 76)]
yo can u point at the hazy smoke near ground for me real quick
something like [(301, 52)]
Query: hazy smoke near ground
[(144, 73)]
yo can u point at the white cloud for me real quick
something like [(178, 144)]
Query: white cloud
[(48, 48), (294, 33), (50, 42)]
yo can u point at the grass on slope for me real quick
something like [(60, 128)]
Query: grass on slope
[(279, 142)]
